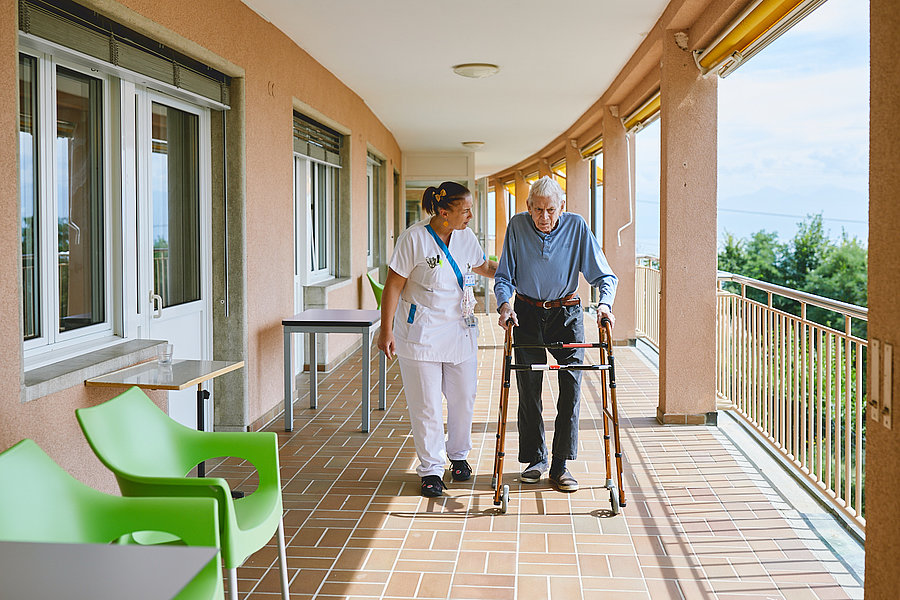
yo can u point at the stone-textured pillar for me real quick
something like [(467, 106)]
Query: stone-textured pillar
[(544, 168), (522, 188), (499, 216), (687, 368), (578, 199), (618, 210), (883, 444)]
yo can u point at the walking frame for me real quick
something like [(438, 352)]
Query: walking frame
[(610, 408)]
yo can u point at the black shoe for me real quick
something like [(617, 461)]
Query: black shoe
[(564, 481), (432, 486), (532, 474), (460, 470)]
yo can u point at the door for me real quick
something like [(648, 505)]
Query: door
[(301, 259), (173, 222)]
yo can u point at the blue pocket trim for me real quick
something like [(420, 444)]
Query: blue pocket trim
[(412, 313)]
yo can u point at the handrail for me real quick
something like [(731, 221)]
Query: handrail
[(853, 310)]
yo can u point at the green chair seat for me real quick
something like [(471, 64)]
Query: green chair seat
[(43, 503), (151, 454)]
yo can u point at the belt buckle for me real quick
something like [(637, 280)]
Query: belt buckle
[(545, 304)]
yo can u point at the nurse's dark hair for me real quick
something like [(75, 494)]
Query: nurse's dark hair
[(443, 196)]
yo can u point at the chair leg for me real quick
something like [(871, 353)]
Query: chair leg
[(232, 584), (282, 561)]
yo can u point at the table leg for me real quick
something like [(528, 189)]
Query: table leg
[(313, 370), (288, 382), (202, 395), (366, 378), (382, 376)]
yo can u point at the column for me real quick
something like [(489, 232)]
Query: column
[(883, 444), (578, 198), (618, 220), (522, 188), (687, 384)]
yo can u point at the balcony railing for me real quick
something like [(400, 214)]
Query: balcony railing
[(792, 365), (647, 285)]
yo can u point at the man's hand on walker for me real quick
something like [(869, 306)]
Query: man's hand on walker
[(507, 313), (605, 311)]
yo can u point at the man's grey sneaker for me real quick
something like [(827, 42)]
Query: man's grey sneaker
[(532, 474), (564, 481)]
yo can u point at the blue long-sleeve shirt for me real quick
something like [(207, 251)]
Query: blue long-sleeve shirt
[(545, 266)]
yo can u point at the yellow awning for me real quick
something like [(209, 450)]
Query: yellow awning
[(757, 26), (593, 148), (645, 112)]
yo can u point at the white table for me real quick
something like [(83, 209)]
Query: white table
[(314, 321), (179, 375), (38, 571)]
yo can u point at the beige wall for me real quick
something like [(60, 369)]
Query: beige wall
[(882, 444), (275, 74)]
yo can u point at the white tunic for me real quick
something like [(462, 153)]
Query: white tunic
[(428, 324)]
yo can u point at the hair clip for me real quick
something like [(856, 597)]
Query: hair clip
[(440, 193)]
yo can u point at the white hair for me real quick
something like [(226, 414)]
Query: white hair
[(546, 187)]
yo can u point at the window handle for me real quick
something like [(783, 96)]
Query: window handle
[(156, 301)]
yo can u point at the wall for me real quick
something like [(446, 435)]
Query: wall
[(275, 73)]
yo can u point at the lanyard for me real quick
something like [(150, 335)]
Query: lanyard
[(446, 250)]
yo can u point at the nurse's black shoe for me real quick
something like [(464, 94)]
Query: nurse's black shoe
[(460, 470), (432, 486)]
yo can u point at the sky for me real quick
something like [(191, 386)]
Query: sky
[(793, 135)]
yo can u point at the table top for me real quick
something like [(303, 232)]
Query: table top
[(335, 317), (180, 375), (37, 571)]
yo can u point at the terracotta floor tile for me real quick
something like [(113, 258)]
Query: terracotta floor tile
[(700, 522)]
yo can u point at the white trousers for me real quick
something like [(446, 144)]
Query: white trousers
[(424, 384)]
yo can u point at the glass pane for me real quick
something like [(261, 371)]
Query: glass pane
[(322, 215), (28, 193), (175, 195), (79, 181)]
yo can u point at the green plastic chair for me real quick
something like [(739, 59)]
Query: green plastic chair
[(377, 289), (151, 455), (42, 503)]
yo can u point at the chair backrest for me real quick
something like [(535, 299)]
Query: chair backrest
[(130, 434), (377, 289)]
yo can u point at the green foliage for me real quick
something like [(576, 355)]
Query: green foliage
[(810, 262)]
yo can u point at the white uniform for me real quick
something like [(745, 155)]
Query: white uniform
[(437, 351)]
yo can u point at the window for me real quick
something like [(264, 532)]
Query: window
[(65, 251), (319, 154), (375, 204)]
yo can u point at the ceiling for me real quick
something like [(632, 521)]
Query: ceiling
[(556, 59)]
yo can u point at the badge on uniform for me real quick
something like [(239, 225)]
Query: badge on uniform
[(433, 261)]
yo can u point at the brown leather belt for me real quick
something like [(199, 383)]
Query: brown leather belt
[(570, 300)]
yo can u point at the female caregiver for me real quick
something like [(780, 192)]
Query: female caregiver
[(428, 322)]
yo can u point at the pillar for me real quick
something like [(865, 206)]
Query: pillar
[(687, 384), (522, 188), (578, 198), (882, 443), (618, 220)]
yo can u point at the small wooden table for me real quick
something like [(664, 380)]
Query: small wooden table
[(180, 375), (315, 321), (37, 571)]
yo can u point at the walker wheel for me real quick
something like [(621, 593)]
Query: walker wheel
[(504, 499), (614, 499)]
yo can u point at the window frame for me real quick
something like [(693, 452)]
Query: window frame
[(51, 338)]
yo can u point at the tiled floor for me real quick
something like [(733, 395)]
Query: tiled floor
[(700, 522)]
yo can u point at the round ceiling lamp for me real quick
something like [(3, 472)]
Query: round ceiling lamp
[(473, 145), (475, 70)]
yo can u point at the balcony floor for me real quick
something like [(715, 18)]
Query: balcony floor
[(700, 522)]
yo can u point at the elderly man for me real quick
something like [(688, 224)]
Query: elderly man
[(543, 253)]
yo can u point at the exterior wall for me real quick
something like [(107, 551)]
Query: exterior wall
[(275, 73), (882, 444)]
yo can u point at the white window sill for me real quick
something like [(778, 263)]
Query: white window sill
[(72, 371)]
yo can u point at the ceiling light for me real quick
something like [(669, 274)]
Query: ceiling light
[(473, 145), (475, 70)]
